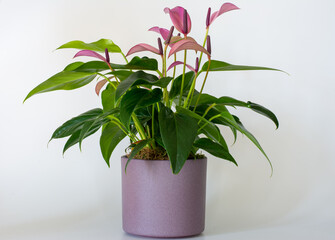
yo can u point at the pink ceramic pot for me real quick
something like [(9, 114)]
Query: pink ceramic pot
[(157, 203)]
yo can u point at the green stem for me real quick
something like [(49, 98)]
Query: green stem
[(122, 127), (139, 126), (183, 78), (124, 57), (159, 72), (165, 91), (203, 45), (203, 85), (174, 68), (209, 120), (207, 110), (190, 93)]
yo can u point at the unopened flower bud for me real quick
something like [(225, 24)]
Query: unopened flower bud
[(168, 40), (196, 65), (208, 17), (160, 47), (209, 48), (107, 54), (185, 22)]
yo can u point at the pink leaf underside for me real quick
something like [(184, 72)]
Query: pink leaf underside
[(187, 44), (226, 7), (90, 53), (142, 47), (99, 85), (180, 63), (176, 15), (162, 31)]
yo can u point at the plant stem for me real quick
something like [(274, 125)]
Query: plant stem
[(139, 126), (183, 78), (190, 93), (203, 85), (174, 68), (124, 57), (165, 91), (203, 45)]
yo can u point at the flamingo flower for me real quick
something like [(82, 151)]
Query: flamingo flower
[(90, 53), (196, 69), (187, 44), (226, 7), (180, 19), (146, 47), (162, 31), (166, 34)]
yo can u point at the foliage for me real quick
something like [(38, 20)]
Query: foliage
[(149, 104)]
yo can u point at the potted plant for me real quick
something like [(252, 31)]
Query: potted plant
[(165, 117)]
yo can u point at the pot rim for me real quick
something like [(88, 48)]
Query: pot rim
[(125, 156)]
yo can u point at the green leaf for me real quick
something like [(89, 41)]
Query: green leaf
[(138, 63), (139, 76), (73, 66), (110, 138), (98, 46), (206, 99), (75, 137), (108, 97), (239, 126), (72, 125), (66, 80), (176, 86), (214, 149), (213, 132), (263, 111), (137, 98), (121, 74), (178, 132), (223, 66), (138, 147), (92, 66), (206, 127)]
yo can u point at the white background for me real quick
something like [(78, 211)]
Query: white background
[(46, 196)]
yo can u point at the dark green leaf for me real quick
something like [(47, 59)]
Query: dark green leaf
[(72, 125), (108, 97), (138, 63), (75, 137), (98, 46), (66, 80), (223, 66), (138, 147), (110, 138), (139, 76), (206, 99), (178, 132), (206, 127), (137, 98), (264, 111), (214, 149), (176, 86), (213, 132)]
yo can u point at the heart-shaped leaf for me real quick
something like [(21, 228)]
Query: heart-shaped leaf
[(178, 132)]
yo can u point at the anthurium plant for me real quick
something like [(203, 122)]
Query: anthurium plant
[(154, 102)]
